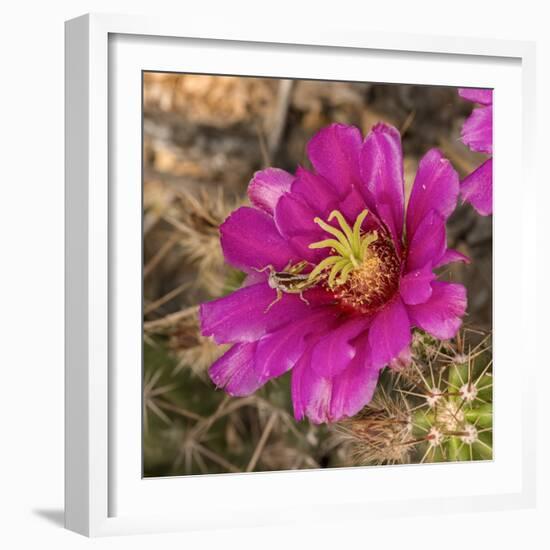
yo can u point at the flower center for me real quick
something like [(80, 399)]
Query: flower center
[(363, 269)]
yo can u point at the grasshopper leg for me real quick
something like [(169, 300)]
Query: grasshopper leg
[(269, 266), (304, 299), (279, 297)]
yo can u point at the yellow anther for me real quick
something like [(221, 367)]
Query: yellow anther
[(350, 245)]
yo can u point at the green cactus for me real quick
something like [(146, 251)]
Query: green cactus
[(451, 404), (456, 417), (441, 402)]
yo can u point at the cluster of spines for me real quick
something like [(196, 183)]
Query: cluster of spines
[(445, 393)]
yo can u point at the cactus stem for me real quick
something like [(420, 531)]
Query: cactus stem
[(408, 392), (485, 445), (414, 441), (483, 372), (490, 429)]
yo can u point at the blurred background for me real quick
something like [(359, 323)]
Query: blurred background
[(204, 137)]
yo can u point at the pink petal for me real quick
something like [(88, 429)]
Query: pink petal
[(250, 241), (334, 352), (389, 333), (477, 131), (353, 388), (415, 287), (234, 370), (382, 175), (436, 187), (477, 188), (278, 351), (428, 243), (334, 153), (309, 199), (477, 95), (301, 243), (310, 391), (316, 191), (451, 256), (385, 213), (404, 359), (294, 220), (254, 277), (267, 187), (242, 317), (352, 205), (324, 399), (294, 216), (441, 315)]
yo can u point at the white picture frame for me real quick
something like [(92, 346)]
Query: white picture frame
[(105, 493)]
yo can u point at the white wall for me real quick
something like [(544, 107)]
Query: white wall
[(31, 264)]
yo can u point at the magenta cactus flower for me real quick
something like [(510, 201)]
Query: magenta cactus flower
[(337, 274), (477, 134)]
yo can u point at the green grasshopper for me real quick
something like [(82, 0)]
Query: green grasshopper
[(290, 281)]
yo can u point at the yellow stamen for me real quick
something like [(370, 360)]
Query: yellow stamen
[(332, 230), (344, 274), (351, 248), (327, 262), (331, 243), (357, 228), (337, 268), (343, 223)]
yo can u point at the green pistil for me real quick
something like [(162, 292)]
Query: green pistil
[(350, 247)]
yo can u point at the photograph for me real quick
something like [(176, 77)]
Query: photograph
[(317, 274), (278, 270)]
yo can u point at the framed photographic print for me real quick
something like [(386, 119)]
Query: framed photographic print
[(291, 276)]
